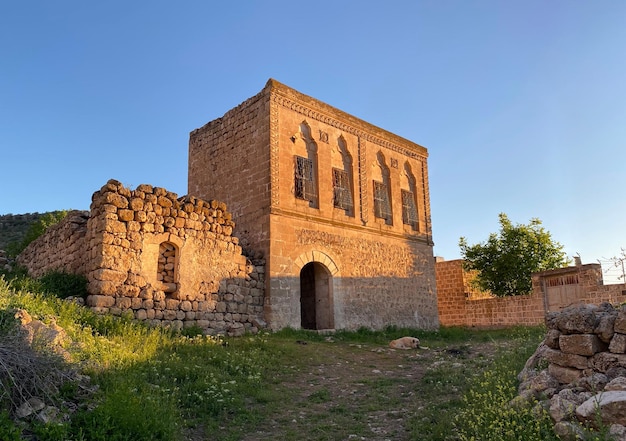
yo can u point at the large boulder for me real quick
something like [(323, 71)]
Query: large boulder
[(610, 406)]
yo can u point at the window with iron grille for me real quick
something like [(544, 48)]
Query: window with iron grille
[(342, 196), (382, 207), (304, 187), (409, 210)]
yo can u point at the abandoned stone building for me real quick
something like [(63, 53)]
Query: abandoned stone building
[(297, 215), (338, 208)]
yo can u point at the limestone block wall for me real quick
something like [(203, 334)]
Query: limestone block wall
[(62, 248), (375, 280), (451, 292), (229, 160), (281, 160), (167, 260), (460, 304), (577, 285)]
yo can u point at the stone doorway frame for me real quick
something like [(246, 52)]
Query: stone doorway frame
[(323, 270)]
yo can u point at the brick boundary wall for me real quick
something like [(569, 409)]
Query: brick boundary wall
[(459, 304), (120, 247)]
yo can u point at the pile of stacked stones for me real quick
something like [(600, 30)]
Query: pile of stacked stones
[(229, 300), (585, 378), (154, 209)]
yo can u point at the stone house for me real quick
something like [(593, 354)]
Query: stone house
[(327, 227), (338, 208)]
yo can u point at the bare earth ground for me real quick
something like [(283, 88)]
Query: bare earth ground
[(344, 391)]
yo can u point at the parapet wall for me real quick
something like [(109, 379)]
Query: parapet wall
[(460, 304), (168, 260)]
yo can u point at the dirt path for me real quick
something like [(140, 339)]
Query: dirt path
[(342, 391)]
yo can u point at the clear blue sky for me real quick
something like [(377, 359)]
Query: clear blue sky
[(521, 103)]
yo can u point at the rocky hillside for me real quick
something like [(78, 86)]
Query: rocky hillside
[(13, 227)]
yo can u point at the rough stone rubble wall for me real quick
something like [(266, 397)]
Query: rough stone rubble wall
[(585, 378), (61, 248), (211, 284), (591, 340)]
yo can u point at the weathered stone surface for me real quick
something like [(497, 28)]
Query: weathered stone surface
[(605, 328), (611, 406), (561, 408), (620, 322), (29, 407), (568, 431), (538, 382), (566, 360), (552, 338), (109, 275), (617, 432), (100, 301), (577, 319), (597, 389), (618, 344), (603, 361), (618, 383), (593, 383), (581, 344), (564, 375), (49, 415)]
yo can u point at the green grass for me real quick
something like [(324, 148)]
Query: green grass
[(153, 384)]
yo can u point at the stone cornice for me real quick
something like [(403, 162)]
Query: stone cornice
[(322, 112)]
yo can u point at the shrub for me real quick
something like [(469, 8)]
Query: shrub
[(8, 430), (64, 285)]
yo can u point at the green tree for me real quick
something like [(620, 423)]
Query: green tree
[(505, 262)]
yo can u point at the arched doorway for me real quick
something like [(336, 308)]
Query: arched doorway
[(316, 306)]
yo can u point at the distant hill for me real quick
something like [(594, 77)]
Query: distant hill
[(13, 227)]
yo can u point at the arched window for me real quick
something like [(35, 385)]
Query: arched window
[(382, 192), (409, 206), (342, 181), (166, 268), (305, 167)]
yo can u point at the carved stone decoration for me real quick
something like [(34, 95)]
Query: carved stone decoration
[(274, 154), (363, 181), (317, 116), (427, 225), (323, 136)]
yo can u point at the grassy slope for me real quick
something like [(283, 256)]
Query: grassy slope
[(154, 385)]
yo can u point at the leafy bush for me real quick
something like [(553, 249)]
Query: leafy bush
[(64, 285), (8, 430), (506, 261)]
